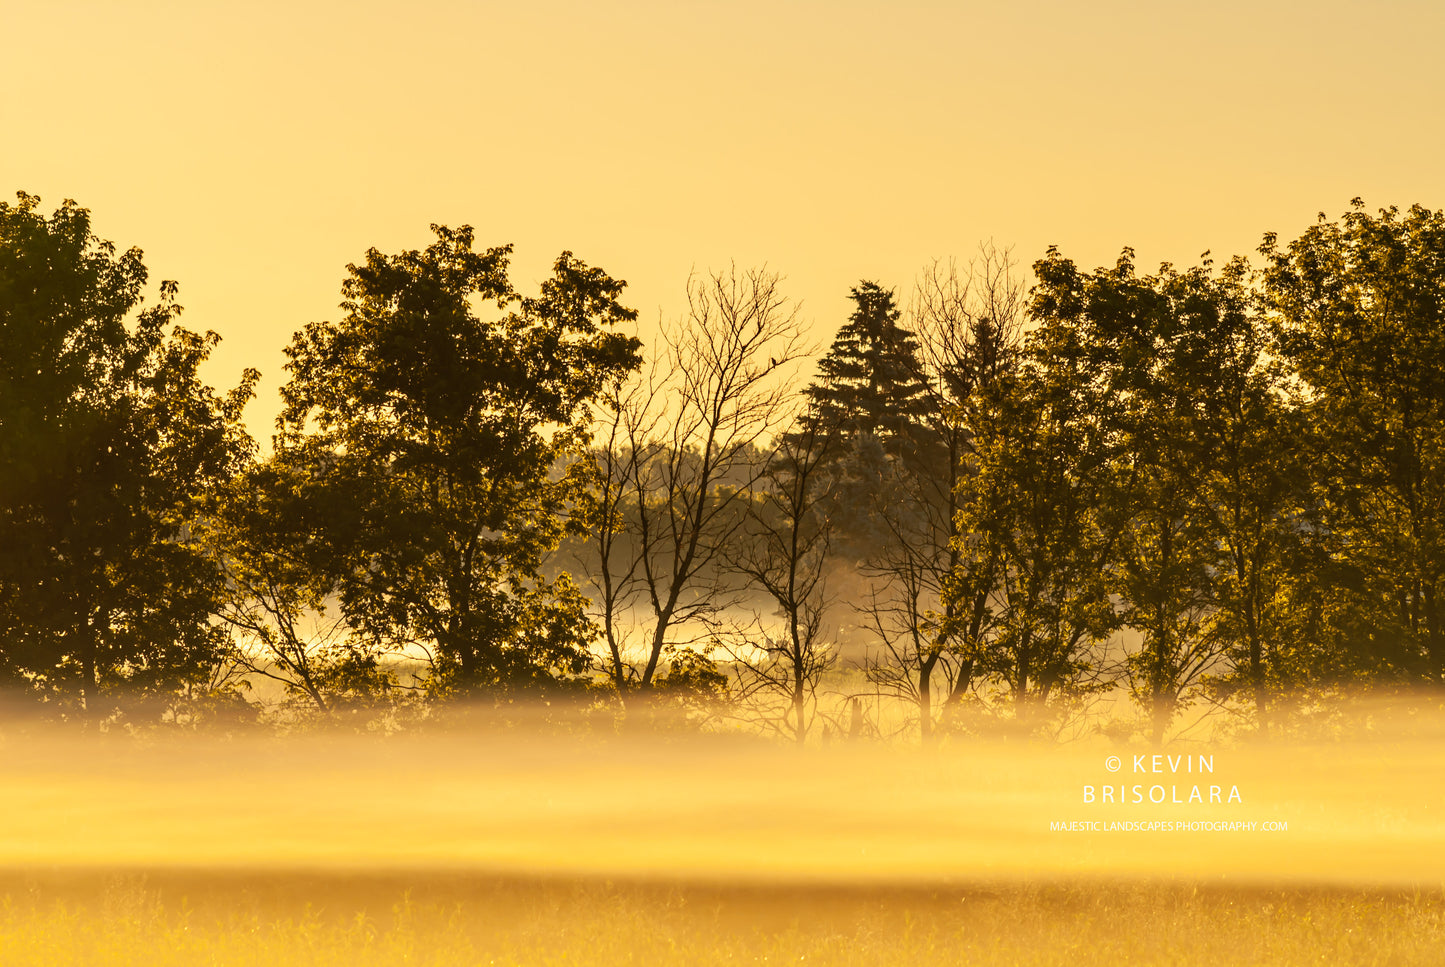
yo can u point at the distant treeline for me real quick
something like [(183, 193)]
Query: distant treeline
[(1206, 487)]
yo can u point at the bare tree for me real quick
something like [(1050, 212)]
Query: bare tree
[(784, 553), (680, 453), (967, 324), (618, 452)]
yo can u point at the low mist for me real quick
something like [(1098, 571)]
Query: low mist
[(1361, 809)]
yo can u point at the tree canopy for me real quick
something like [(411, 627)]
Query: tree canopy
[(109, 447), (1360, 308), (441, 411)]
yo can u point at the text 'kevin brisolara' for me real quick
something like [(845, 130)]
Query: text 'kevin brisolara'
[(1162, 794), (1163, 826)]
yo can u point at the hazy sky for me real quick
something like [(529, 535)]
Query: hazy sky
[(253, 149)]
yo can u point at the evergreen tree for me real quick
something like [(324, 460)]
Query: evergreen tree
[(866, 401), (869, 381)]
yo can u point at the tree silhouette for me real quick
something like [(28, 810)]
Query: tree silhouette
[(110, 446), (681, 459), (1360, 308), (443, 431), (966, 329), (1036, 518), (867, 396), (783, 552), (868, 380)]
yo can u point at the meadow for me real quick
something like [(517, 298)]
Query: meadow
[(520, 845), (289, 919)]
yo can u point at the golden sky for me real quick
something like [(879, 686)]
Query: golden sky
[(252, 149)]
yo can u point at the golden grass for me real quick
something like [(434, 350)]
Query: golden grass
[(157, 919), (522, 846)]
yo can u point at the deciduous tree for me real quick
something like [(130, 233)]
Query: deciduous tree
[(443, 410), (685, 448), (784, 553), (966, 325), (110, 447), (1036, 517), (1360, 308)]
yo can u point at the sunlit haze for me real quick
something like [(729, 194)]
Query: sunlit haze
[(1360, 811)]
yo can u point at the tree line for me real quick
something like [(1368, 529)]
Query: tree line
[(1203, 488)]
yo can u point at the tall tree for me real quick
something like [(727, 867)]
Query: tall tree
[(443, 429), (1037, 519), (868, 380), (685, 447), (1160, 342), (1360, 308), (966, 327), (784, 553), (110, 445), (1252, 477), (868, 395)]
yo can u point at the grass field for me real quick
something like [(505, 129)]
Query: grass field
[(280, 919), (515, 847)]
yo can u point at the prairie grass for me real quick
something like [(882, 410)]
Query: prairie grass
[(289, 919), (474, 847)]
